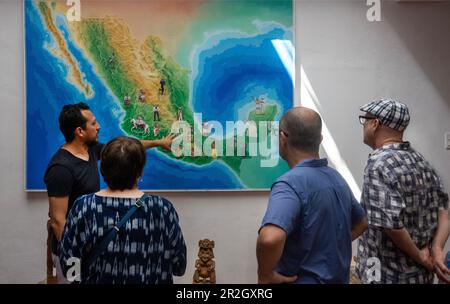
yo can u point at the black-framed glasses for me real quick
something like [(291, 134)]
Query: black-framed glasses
[(363, 119)]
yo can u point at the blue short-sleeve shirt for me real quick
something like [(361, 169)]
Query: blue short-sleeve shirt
[(314, 205)]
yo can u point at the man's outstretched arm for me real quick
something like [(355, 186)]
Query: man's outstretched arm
[(164, 143)]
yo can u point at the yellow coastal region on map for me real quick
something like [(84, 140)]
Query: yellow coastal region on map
[(75, 76)]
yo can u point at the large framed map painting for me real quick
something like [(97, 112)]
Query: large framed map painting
[(216, 73)]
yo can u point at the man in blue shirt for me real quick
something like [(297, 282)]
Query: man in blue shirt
[(312, 216)]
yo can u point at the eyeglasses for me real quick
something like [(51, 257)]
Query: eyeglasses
[(363, 119)]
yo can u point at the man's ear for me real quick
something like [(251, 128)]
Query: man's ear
[(376, 123), (283, 138), (321, 138), (79, 132)]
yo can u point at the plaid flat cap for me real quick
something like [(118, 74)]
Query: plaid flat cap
[(391, 113)]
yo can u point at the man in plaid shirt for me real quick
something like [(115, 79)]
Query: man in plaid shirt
[(406, 205)]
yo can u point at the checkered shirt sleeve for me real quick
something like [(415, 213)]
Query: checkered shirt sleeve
[(383, 201)]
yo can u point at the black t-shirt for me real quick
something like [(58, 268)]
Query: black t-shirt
[(68, 175)]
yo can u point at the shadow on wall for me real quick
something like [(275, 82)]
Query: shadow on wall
[(424, 28)]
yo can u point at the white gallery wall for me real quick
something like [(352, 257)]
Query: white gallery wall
[(348, 60)]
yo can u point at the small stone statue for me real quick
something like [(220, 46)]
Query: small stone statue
[(205, 272)]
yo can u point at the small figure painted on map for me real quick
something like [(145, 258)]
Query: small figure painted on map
[(140, 121), (141, 96), (140, 124), (162, 83), (112, 58), (126, 100), (259, 103), (156, 113), (156, 129), (180, 114)]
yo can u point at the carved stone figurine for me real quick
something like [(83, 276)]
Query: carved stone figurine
[(205, 272)]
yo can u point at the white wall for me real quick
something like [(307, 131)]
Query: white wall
[(348, 60)]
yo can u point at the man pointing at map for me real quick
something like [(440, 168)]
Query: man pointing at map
[(73, 169)]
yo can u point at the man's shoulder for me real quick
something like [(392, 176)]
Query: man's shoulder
[(96, 149), (61, 160), (97, 146), (59, 155), (304, 173), (387, 160), (291, 176), (295, 180), (383, 160)]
